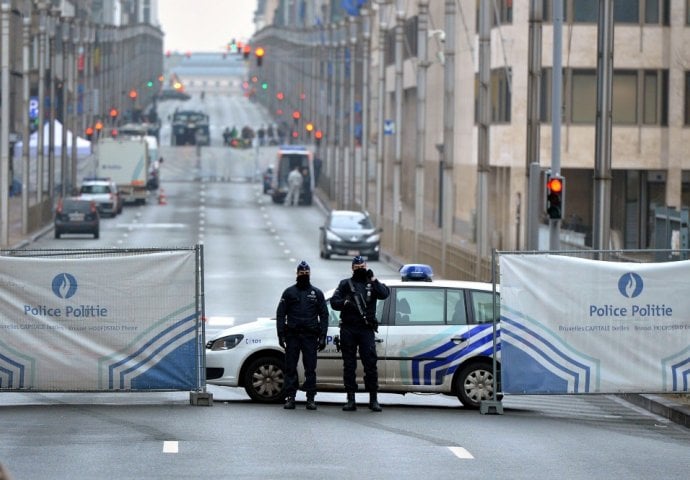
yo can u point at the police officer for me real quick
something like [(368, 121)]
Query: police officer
[(356, 298), (302, 324)]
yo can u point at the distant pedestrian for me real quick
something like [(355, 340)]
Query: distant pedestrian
[(294, 181), (302, 325)]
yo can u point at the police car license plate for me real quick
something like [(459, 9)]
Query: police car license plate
[(353, 252)]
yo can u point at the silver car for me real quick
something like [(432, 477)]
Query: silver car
[(104, 193)]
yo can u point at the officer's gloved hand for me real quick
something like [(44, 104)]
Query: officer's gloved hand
[(281, 342), (370, 274), (322, 343)]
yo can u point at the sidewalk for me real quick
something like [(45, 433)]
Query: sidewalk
[(16, 238), (671, 406)]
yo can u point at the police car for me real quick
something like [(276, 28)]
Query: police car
[(433, 337)]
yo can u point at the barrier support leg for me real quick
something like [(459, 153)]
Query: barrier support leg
[(491, 406), (201, 399)]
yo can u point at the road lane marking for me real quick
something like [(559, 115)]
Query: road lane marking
[(170, 446), (461, 453)]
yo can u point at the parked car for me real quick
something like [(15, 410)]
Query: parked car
[(104, 192), (349, 233), (433, 337), (76, 215)]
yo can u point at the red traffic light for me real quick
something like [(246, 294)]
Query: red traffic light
[(113, 113), (89, 130), (99, 126), (318, 134), (280, 95), (133, 94), (296, 114), (555, 184)]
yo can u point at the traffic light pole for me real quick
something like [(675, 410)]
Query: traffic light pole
[(557, 89)]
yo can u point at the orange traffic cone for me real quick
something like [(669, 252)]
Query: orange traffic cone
[(161, 197)]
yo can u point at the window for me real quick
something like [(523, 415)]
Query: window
[(640, 97), (624, 97), (687, 97), (420, 306), (585, 11), (652, 12), (584, 96), (626, 11), (456, 308), (483, 307), (500, 95), (499, 92)]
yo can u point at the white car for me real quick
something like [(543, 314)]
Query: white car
[(433, 337), (104, 192)]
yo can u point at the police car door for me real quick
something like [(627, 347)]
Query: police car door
[(424, 338), (329, 367)]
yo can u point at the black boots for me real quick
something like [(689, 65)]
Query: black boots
[(311, 404), (374, 403), (350, 406), (289, 403)]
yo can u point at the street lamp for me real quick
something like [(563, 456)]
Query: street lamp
[(26, 45), (65, 31), (51, 30), (5, 122)]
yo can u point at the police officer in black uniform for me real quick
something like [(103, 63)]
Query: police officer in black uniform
[(356, 298), (302, 324)]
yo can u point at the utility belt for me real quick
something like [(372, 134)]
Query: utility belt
[(302, 330)]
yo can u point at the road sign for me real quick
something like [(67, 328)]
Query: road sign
[(388, 127), (33, 108)]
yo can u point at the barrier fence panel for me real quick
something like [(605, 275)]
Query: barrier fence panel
[(101, 320), (577, 325)]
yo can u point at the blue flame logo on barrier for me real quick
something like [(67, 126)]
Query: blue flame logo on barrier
[(630, 285), (64, 285)]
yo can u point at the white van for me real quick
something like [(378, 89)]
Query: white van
[(290, 156)]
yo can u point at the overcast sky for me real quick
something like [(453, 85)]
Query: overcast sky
[(205, 25)]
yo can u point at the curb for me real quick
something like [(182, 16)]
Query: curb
[(33, 237), (661, 405)]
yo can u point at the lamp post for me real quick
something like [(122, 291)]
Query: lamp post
[(40, 141), (5, 124), (51, 31), (76, 48), (64, 170), (26, 138)]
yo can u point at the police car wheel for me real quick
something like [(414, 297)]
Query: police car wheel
[(264, 379), (474, 383)]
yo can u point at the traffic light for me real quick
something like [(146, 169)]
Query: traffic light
[(309, 127), (555, 195), (259, 52), (99, 128), (89, 133), (113, 114), (280, 95), (133, 94), (149, 84), (318, 135), (246, 50)]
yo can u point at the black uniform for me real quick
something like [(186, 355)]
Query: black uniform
[(302, 320), (357, 330)]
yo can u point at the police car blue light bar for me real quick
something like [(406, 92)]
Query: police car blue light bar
[(416, 272)]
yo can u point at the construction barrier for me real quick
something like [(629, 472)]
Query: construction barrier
[(102, 320), (581, 325)]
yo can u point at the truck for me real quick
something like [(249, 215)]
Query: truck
[(127, 162), (190, 127)]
